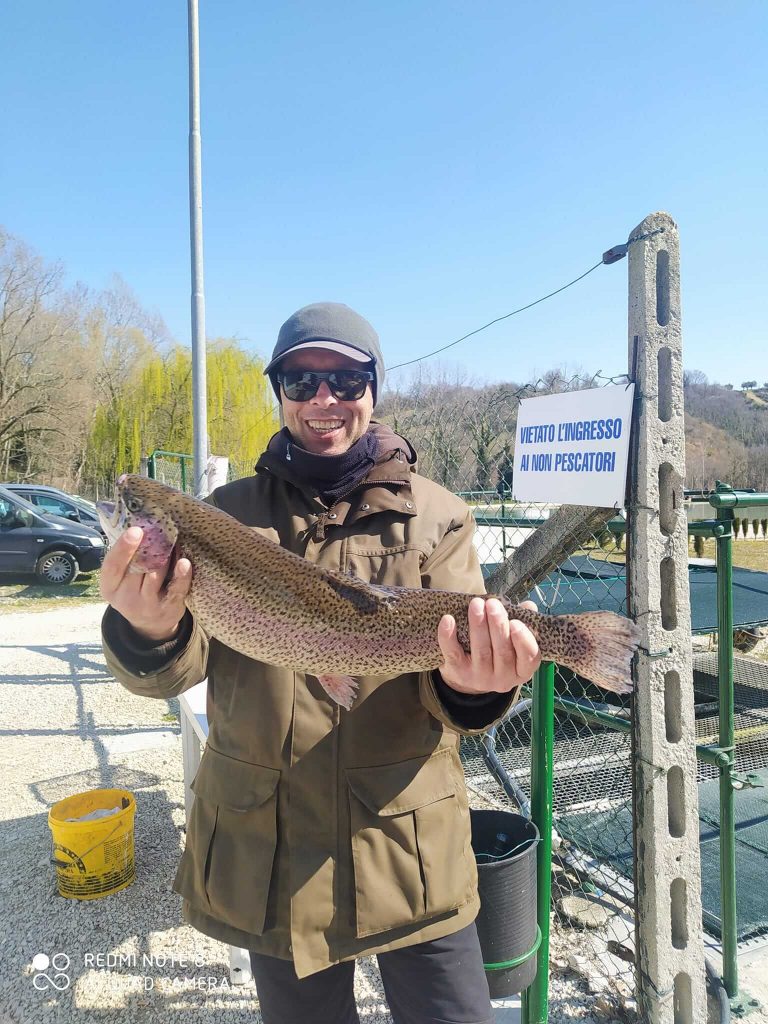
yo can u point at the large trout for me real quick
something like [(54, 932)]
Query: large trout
[(274, 606)]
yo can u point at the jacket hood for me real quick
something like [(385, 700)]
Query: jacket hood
[(390, 443)]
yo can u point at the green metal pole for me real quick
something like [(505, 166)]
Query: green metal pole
[(727, 814), (536, 999), (184, 476)]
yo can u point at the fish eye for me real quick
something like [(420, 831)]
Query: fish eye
[(133, 504)]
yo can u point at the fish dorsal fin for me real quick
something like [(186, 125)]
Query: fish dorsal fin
[(367, 598)]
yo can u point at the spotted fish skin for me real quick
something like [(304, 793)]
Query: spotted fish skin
[(275, 606)]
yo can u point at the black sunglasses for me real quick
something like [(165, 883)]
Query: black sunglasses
[(346, 385)]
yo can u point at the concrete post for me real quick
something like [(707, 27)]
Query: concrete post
[(670, 952)]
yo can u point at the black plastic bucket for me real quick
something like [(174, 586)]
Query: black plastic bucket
[(506, 924)]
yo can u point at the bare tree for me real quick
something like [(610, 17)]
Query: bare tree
[(33, 334)]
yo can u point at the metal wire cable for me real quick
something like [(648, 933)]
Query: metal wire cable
[(612, 255), (499, 318)]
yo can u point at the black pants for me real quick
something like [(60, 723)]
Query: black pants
[(438, 982)]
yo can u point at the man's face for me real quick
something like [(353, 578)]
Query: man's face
[(324, 424)]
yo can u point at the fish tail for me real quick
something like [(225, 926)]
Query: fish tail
[(596, 645)]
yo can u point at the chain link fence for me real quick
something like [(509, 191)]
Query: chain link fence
[(177, 470), (465, 441)]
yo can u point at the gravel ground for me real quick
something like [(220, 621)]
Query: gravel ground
[(68, 727)]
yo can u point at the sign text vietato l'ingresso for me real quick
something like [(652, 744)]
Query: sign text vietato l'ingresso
[(573, 448)]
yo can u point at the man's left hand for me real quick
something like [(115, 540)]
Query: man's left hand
[(503, 652)]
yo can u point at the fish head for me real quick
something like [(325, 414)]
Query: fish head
[(139, 502)]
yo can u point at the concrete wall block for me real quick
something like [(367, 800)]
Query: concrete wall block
[(671, 985)]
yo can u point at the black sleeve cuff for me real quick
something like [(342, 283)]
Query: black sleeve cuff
[(470, 710), (136, 652)]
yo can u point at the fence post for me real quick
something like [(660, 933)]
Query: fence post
[(726, 739), (670, 953), (536, 998)]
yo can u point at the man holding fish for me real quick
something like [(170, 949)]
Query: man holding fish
[(331, 818)]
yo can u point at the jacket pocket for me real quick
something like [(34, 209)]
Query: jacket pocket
[(410, 842), (231, 840), (396, 566)]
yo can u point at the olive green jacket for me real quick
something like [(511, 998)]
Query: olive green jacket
[(320, 834)]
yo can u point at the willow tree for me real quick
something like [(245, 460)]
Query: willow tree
[(242, 415), (155, 411)]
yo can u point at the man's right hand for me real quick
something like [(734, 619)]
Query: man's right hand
[(154, 613)]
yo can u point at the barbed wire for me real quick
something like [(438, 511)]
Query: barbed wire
[(600, 379), (541, 384)]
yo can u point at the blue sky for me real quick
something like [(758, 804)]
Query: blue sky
[(434, 165)]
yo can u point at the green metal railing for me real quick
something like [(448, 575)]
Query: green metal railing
[(725, 500), (721, 755), (179, 481)]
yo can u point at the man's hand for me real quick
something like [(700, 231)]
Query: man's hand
[(153, 613), (504, 652)]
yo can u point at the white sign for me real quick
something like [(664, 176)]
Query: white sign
[(573, 448), (216, 471)]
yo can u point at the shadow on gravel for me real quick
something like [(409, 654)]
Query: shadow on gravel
[(129, 956), (78, 664), (124, 956)]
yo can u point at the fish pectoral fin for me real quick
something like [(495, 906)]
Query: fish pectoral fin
[(342, 689), (367, 598)]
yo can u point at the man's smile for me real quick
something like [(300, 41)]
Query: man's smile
[(324, 426)]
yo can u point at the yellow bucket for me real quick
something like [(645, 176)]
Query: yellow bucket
[(93, 858)]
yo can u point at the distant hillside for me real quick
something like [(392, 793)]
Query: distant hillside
[(712, 454), (741, 414), (726, 433)]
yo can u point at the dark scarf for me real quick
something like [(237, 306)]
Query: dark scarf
[(331, 476)]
